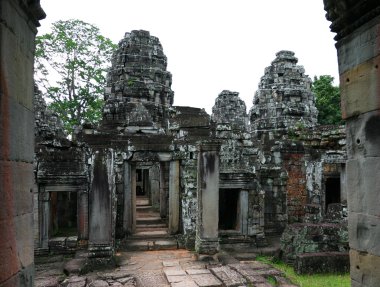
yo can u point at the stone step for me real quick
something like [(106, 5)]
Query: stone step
[(161, 233), (148, 220), (142, 201), (146, 245), (147, 227), (145, 208)]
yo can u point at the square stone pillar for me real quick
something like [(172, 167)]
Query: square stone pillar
[(243, 212), (129, 214), (207, 241), (174, 197), (82, 215), (100, 215), (44, 218), (163, 190), (154, 176), (358, 45)]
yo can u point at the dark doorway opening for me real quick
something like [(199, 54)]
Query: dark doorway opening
[(228, 208), (63, 215), (140, 191), (332, 190)]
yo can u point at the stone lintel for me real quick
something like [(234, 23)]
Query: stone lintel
[(211, 145)]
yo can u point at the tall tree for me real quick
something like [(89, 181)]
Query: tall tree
[(70, 70), (327, 100)]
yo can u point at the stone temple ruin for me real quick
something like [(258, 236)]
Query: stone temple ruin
[(154, 176), (313, 155)]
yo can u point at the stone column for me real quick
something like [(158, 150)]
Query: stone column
[(100, 223), (358, 43), (163, 194), (19, 22), (206, 241), (129, 214), (154, 176), (243, 210), (146, 184), (82, 215), (174, 197), (44, 218)]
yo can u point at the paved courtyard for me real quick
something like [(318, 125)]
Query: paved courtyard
[(168, 268)]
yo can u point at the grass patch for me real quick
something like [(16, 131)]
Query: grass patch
[(315, 280)]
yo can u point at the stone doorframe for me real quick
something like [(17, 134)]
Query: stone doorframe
[(44, 202), (129, 187)]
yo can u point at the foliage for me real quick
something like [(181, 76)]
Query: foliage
[(327, 100), (70, 70), (314, 280)]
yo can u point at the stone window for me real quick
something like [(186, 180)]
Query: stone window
[(332, 190)]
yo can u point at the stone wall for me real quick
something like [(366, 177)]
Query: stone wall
[(19, 20)]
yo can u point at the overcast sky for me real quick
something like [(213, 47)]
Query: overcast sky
[(214, 45)]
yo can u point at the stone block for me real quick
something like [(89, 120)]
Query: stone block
[(363, 180), (323, 262), (364, 39), (365, 269), (359, 88), (364, 232), (363, 135)]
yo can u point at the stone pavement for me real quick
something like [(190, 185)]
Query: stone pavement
[(169, 268)]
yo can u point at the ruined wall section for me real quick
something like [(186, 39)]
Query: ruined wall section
[(282, 102), (138, 76), (238, 161), (188, 126)]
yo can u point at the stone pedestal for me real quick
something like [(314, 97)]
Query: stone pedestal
[(208, 199)]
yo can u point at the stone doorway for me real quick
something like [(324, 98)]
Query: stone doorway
[(229, 209), (63, 214)]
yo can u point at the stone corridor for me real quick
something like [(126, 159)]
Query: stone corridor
[(169, 268)]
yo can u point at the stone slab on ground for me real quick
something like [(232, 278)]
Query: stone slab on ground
[(187, 283), (228, 276), (206, 280), (197, 271), (152, 278)]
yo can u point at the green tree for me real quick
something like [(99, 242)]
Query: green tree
[(327, 100), (70, 69)]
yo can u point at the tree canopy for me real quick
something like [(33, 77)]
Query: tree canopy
[(70, 70), (327, 100)]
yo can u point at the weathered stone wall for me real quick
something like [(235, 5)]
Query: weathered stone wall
[(19, 20), (357, 25)]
